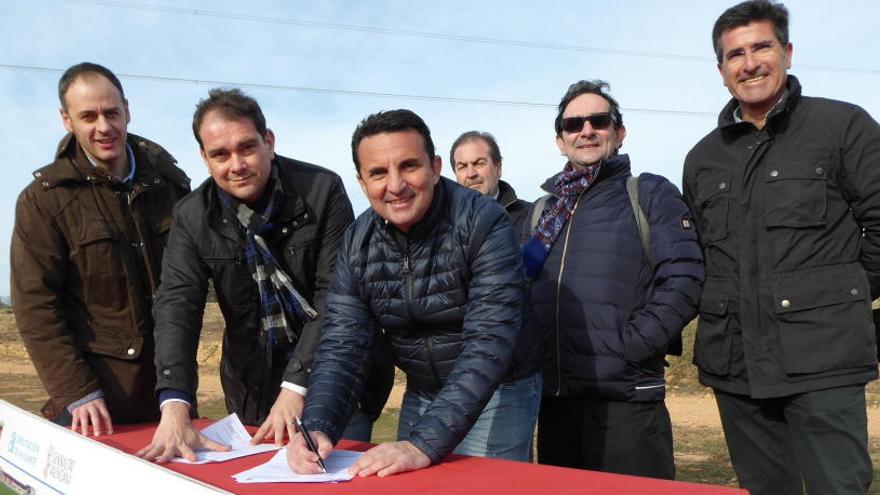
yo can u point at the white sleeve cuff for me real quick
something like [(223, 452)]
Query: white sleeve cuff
[(166, 401), (294, 388)]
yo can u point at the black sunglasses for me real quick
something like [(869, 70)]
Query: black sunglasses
[(598, 121)]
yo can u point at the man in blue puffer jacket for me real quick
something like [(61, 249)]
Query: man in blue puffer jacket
[(609, 309), (435, 269)]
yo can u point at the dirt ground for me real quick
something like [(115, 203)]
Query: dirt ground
[(19, 383), (700, 451)]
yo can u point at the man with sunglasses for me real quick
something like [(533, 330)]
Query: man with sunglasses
[(784, 194), (610, 308)]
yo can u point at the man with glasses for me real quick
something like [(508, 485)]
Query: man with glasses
[(785, 196), (611, 294)]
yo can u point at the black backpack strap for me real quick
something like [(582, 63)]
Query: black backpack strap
[(537, 210)]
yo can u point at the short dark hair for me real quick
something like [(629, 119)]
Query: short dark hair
[(486, 137), (595, 87), (232, 104), (81, 70), (745, 13), (390, 121)]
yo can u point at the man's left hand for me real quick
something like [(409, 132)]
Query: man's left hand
[(288, 405), (94, 413), (390, 458)]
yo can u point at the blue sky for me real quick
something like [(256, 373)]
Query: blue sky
[(522, 55)]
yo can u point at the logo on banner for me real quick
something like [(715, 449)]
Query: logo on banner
[(59, 467), (24, 449)]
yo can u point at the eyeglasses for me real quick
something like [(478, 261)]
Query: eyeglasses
[(598, 121), (760, 49)]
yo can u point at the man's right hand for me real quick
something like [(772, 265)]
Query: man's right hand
[(301, 459), (176, 436), (288, 405)]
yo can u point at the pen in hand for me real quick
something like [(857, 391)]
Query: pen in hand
[(310, 442)]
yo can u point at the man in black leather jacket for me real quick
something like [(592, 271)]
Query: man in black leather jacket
[(263, 228), (436, 266)]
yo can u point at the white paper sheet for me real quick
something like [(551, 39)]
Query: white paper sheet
[(276, 469), (228, 431)]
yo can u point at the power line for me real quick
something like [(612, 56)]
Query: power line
[(306, 89), (437, 36)]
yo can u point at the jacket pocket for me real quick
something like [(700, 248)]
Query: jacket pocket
[(712, 343), (99, 263), (237, 392), (714, 195), (234, 285), (300, 253), (824, 319), (116, 345), (795, 194)]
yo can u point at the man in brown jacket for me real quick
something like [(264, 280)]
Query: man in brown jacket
[(86, 253)]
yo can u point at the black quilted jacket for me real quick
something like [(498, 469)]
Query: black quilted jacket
[(448, 297)]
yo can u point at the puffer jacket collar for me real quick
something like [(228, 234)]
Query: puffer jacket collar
[(427, 225)]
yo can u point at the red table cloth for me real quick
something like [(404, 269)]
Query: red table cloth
[(457, 475)]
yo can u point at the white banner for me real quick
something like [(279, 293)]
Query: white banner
[(38, 457)]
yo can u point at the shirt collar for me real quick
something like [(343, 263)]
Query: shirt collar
[(737, 112), (127, 180)]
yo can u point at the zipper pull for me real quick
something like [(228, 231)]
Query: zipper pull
[(406, 265)]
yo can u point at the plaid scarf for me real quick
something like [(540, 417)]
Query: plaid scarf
[(566, 188), (279, 300)]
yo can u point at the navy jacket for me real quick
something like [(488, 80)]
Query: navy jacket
[(448, 296), (607, 315)]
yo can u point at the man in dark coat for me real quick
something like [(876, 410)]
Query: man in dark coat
[(86, 251), (786, 197), (612, 294), (437, 268), (476, 161), (265, 229)]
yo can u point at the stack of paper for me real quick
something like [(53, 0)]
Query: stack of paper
[(228, 431), (277, 470)]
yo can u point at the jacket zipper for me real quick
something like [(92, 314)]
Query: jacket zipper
[(429, 345), (407, 276), (403, 245), (141, 246), (558, 285), (429, 342)]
